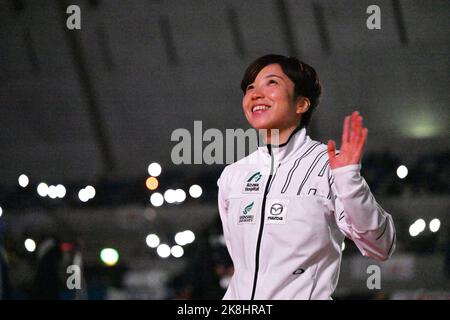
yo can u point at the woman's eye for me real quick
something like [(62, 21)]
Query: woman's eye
[(271, 81), (249, 87)]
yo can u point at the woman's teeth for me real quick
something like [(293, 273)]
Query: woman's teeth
[(260, 107)]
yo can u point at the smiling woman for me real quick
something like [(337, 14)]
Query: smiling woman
[(280, 93), (285, 232)]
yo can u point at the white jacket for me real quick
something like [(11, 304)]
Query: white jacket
[(285, 214)]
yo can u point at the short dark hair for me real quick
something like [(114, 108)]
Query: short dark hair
[(304, 77)]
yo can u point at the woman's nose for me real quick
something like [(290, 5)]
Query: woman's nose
[(256, 94)]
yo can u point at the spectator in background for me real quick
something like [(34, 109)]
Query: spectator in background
[(209, 268), (47, 282), (5, 285)]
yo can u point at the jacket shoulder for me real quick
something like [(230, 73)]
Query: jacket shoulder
[(243, 164), (248, 161), (319, 146), (312, 149)]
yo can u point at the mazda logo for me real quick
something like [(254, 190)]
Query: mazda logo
[(276, 209)]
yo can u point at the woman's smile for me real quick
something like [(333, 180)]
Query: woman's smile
[(260, 109), (269, 102)]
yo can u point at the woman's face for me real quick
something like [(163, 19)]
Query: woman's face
[(269, 101)]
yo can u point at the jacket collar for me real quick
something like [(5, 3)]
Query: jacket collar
[(288, 150)]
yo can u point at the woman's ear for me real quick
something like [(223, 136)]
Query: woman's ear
[(303, 105)]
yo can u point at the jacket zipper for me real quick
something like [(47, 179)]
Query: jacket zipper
[(261, 226)]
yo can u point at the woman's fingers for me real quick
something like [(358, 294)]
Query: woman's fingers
[(358, 148), (354, 138), (363, 140), (358, 129), (346, 130), (331, 149), (353, 129)]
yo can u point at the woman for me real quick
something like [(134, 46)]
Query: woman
[(286, 208)]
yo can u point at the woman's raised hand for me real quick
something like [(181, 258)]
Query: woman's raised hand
[(354, 138)]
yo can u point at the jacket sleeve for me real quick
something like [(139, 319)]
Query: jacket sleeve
[(223, 208), (359, 216)]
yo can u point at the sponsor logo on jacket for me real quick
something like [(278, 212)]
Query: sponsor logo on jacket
[(276, 211), (247, 212), (248, 208), (253, 183)]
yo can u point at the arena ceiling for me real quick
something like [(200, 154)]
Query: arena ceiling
[(105, 99)]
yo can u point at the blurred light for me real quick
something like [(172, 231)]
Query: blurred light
[(109, 256), (30, 245), (152, 240), (163, 250), (151, 183), (425, 130), (343, 246), (185, 237), (420, 124), (154, 169), (435, 224), (189, 236), (150, 214), (90, 191), (1, 211), (224, 282), (170, 196), (177, 251), (417, 227), (413, 230), (180, 195), (23, 180), (83, 195), (402, 171), (66, 246), (195, 191), (157, 199), (420, 224), (60, 191), (180, 238), (42, 189), (52, 193)]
